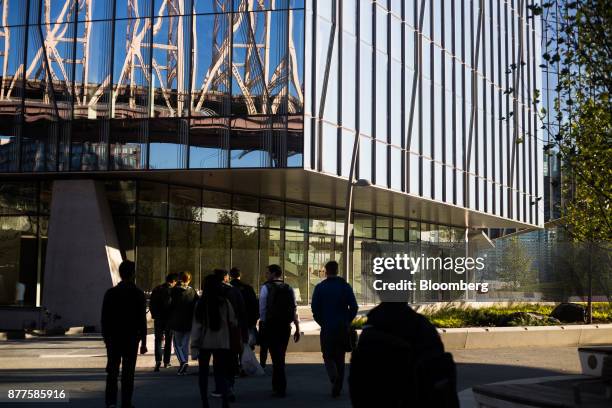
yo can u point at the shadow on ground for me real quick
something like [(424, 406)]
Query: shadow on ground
[(308, 386)]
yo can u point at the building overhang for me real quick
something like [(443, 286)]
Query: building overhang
[(297, 184)]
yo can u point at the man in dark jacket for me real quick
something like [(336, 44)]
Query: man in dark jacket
[(183, 298), (160, 308), (251, 304), (334, 307), (124, 325), (234, 295), (405, 351)]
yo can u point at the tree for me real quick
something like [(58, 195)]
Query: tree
[(515, 266), (581, 134), (579, 129)]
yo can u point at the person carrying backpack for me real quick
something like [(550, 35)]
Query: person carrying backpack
[(405, 351), (160, 307), (277, 310)]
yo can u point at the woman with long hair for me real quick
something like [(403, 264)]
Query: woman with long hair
[(213, 321)]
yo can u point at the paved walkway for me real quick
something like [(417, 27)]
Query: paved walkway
[(77, 365)]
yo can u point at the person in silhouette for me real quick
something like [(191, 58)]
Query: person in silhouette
[(405, 352), (124, 325), (277, 310), (160, 307), (184, 298), (251, 304), (214, 317), (334, 307)]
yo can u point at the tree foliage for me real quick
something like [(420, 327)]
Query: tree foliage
[(581, 134)]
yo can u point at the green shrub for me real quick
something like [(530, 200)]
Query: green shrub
[(498, 316)]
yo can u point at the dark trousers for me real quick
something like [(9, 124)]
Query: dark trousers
[(162, 335), (221, 367), (122, 353), (333, 347), (263, 352), (277, 339)]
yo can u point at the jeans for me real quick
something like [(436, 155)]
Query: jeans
[(181, 346), (221, 367), (162, 335), (122, 352), (277, 339), (333, 347)]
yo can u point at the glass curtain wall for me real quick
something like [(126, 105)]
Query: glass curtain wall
[(169, 229), (440, 94), (24, 220), (95, 85)]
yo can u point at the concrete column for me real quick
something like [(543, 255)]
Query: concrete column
[(83, 254)]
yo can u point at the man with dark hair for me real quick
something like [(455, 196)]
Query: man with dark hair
[(124, 325), (234, 296), (183, 298), (251, 305), (405, 351), (277, 310), (160, 308), (334, 307)]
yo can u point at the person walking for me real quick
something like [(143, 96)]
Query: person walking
[(124, 325), (160, 307), (251, 304), (213, 320), (334, 307), (405, 352), (277, 310), (234, 296), (183, 298)]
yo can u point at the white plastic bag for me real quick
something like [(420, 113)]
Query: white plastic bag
[(250, 365)]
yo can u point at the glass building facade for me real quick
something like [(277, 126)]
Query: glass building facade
[(24, 223), (170, 228), (151, 97), (441, 99), (95, 85)]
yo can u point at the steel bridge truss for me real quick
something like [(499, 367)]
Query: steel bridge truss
[(156, 74)]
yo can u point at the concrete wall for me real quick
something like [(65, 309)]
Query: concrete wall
[(531, 336), (501, 337), (83, 254)]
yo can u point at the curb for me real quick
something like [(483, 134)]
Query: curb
[(527, 336), (473, 338)]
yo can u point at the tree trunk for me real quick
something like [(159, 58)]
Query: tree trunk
[(590, 294)]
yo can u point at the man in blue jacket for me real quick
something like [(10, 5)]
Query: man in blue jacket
[(334, 307)]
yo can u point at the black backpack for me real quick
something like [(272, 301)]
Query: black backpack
[(280, 304), (159, 304)]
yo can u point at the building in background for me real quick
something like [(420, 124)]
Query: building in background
[(188, 135)]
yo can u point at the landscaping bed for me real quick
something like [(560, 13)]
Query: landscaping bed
[(504, 316)]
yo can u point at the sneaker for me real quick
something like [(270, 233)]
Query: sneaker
[(157, 365), (167, 365), (216, 394), (182, 369)]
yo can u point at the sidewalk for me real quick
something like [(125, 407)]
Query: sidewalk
[(76, 364)]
